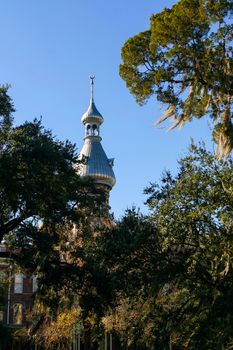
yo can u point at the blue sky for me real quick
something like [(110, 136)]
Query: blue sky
[(49, 48)]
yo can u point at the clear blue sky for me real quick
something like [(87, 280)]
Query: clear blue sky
[(48, 50)]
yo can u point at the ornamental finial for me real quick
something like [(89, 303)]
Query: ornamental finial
[(92, 78)]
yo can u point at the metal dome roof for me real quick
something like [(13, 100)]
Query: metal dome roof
[(94, 162), (92, 114)]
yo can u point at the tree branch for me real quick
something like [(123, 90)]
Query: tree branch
[(12, 224)]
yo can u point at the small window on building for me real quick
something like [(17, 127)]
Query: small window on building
[(18, 313), (18, 285), (34, 284), (1, 315)]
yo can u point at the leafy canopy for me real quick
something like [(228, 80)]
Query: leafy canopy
[(193, 211), (185, 60), (172, 271)]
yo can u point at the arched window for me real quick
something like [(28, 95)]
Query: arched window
[(94, 130), (88, 127), (18, 283), (18, 313)]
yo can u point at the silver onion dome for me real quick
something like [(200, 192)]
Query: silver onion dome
[(93, 159), (92, 114)]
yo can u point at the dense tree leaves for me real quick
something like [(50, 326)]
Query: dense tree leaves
[(135, 261), (73, 279), (185, 59), (33, 171), (193, 211), (172, 271), (6, 110), (131, 251)]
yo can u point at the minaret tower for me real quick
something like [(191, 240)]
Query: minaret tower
[(94, 162)]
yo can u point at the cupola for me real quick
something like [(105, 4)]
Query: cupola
[(94, 161)]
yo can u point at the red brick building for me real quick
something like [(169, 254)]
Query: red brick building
[(19, 291)]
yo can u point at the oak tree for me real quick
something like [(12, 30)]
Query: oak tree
[(172, 270), (185, 59)]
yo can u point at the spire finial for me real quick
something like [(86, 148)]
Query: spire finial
[(92, 78)]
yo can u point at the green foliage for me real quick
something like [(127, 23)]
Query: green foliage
[(131, 249), (76, 281), (193, 212), (185, 59), (133, 255), (171, 272), (6, 110), (40, 190), (6, 104)]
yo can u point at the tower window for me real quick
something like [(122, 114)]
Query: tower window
[(94, 130), (88, 127), (18, 283)]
